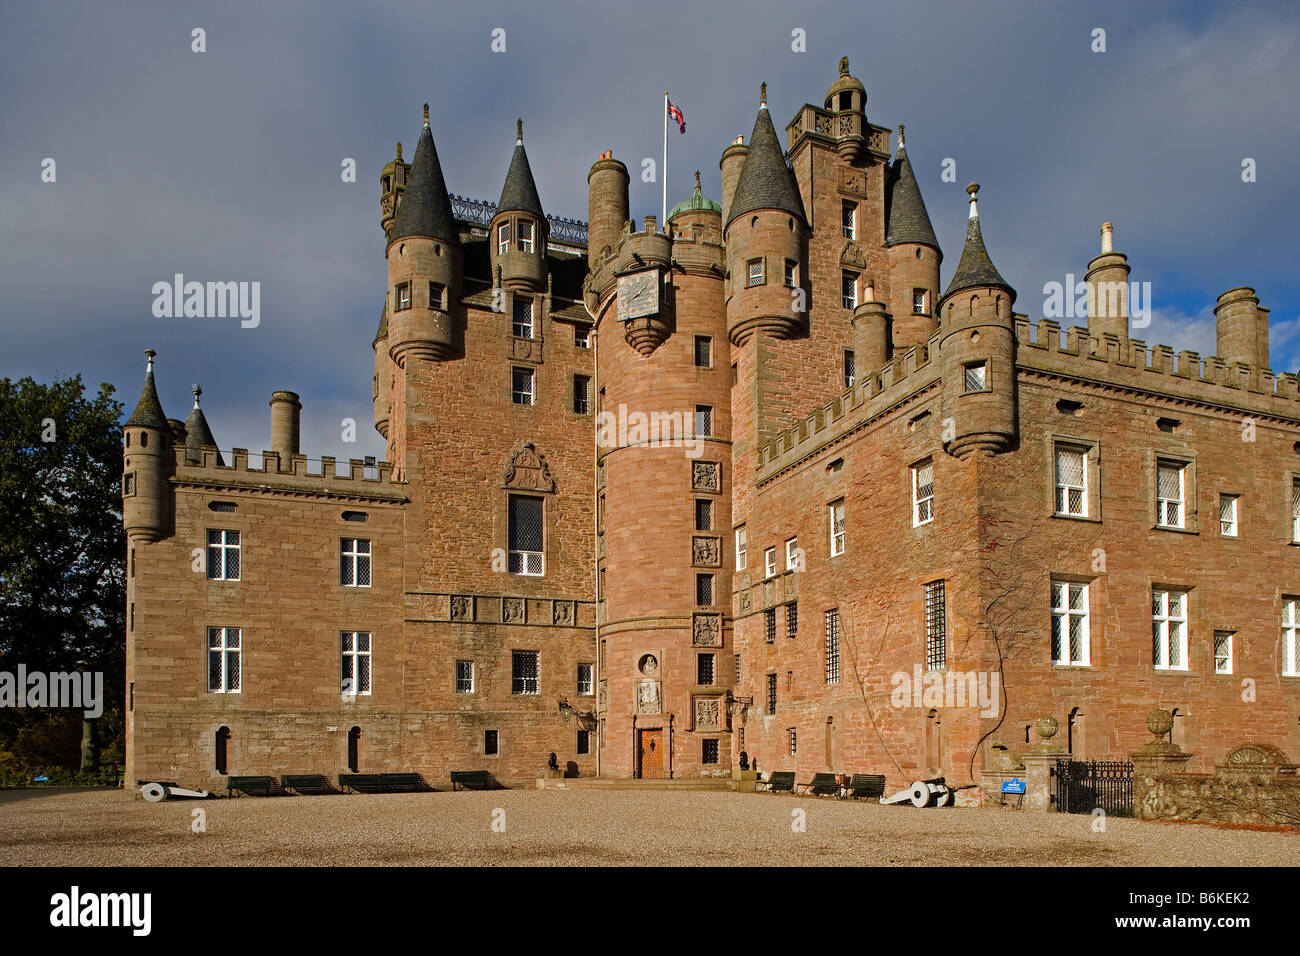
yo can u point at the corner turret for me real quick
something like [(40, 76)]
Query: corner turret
[(914, 256), (147, 463), (517, 235)]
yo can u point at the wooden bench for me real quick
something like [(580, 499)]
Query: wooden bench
[(823, 784), (870, 785), (399, 782), (260, 786), (301, 783), (473, 780), (359, 782), (779, 781)]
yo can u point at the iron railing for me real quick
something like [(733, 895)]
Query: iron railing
[(1083, 786), (479, 212)]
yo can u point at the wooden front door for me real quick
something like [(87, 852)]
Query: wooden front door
[(650, 756)]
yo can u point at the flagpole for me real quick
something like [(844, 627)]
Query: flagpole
[(663, 209)]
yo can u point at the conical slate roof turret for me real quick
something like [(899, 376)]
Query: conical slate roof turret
[(975, 269), (906, 217), (425, 209), (148, 411), (197, 432), (520, 191), (766, 182)]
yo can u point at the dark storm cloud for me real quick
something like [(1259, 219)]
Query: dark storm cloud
[(225, 165)]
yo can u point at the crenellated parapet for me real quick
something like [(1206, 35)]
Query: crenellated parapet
[(300, 475)]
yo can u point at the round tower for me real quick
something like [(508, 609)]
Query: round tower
[(197, 433), (147, 463), (664, 458), (285, 426), (607, 206), (1107, 282), (732, 162), (425, 264), (847, 99), (766, 240), (1241, 328), (914, 256), (977, 349), (517, 235)]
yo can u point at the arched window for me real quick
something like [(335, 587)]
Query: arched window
[(354, 749), (1076, 739), (223, 750)]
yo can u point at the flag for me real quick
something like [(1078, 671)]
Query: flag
[(676, 116)]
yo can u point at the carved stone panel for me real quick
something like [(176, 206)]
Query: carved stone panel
[(512, 610), (602, 695), (563, 613), (853, 182), (528, 471), (462, 608), (706, 713), (647, 697), (706, 552), (705, 476), (706, 630), (746, 602)]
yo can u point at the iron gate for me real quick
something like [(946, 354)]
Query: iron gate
[(1083, 786)]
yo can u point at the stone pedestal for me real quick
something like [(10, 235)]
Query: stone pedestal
[(744, 781), (1153, 761), (1039, 760)]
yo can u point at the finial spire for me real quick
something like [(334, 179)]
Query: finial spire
[(762, 96), (426, 114), (844, 66), (197, 390), (399, 152), (901, 144), (973, 189), (148, 363), (519, 130), (697, 182)]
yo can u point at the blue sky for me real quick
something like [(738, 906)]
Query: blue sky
[(225, 165)]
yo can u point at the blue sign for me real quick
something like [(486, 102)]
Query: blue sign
[(40, 779), (1013, 786)]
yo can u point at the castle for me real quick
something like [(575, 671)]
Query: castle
[(752, 480)]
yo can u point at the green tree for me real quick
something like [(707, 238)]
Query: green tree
[(62, 553)]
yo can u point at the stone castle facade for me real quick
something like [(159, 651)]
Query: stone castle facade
[(752, 480)]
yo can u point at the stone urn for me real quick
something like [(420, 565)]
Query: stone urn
[(1160, 722), (1046, 727)]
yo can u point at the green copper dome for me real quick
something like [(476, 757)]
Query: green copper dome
[(697, 201)]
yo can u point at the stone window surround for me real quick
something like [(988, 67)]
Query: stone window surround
[(1191, 513), (1091, 447)]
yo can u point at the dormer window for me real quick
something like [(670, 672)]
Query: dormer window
[(525, 236), (503, 238)]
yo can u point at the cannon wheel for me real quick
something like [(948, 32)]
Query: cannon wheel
[(154, 792), (946, 799), (920, 794)]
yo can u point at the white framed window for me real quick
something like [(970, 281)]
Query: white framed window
[(837, 527), (522, 326), (754, 272), (525, 236), (833, 646), (1223, 641), (976, 377), (582, 336), (1071, 481), (525, 536), (223, 555), (523, 673), (849, 290), (1070, 640), (936, 626), (1295, 510), (403, 297), (503, 238), (464, 677), (919, 305), (585, 683), (850, 368), (1228, 516), (224, 652), (521, 386), (923, 492), (1169, 629), (354, 562), (794, 742), (437, 294), (792, 554), (355, 671), (740, 548), (789, 273), (769, 562), (1290, 638), (849, 219), (1171, 483), (703, 421)]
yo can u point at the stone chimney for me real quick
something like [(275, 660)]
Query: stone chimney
[(285, 409), (1242, 328)]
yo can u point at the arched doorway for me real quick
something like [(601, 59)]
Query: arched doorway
[(354, 749), (1076, 739), (223, 750)]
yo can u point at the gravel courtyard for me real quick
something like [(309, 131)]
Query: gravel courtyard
[(586, 827)]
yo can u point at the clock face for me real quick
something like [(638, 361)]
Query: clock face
[(638, 295)]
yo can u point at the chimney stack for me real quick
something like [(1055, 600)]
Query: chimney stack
[(285, 409), (1242, 328), (1107, 282)]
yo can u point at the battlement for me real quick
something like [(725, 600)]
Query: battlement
[(897, 382), (318, 476), (1131, 363)]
